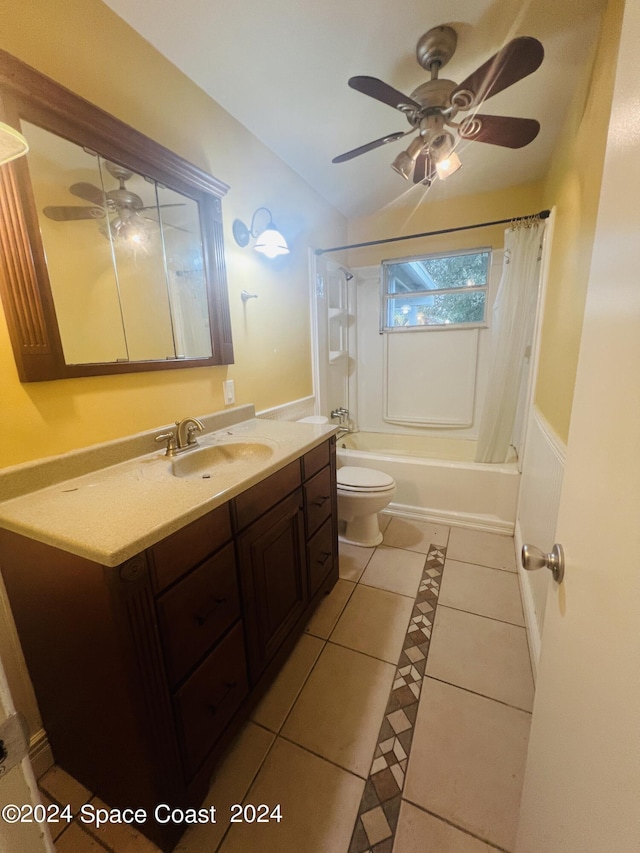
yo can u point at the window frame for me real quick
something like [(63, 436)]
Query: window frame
[(385, 296)]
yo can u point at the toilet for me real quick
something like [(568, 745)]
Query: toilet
[(362, 494)]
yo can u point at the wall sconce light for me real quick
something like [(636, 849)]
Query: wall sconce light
[(12, 144), (269, 241)]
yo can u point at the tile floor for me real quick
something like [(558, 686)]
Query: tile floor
[(367, 742)]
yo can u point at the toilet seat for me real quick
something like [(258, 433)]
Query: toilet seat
[(352, 478)]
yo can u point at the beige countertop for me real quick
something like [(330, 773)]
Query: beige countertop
[(111, 501)]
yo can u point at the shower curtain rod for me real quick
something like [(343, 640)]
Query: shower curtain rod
[(543, 214)]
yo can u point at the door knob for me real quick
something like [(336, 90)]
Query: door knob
[(533, 558)]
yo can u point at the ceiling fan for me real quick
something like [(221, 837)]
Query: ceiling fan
[(124, 203), (433, 107)]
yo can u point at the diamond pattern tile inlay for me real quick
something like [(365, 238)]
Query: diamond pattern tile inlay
[(377, 819)]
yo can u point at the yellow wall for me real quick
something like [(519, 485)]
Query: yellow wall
[(84, 46), (447, 213), (573, 186)]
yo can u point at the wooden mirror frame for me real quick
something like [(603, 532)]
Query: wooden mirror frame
[(26, 94)]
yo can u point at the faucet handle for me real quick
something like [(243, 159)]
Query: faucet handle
[(170, 438), (191, 430)]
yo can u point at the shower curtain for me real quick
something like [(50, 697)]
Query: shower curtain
[(513, 319)]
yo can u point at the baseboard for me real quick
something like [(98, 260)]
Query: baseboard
[(488, 523), (40, 753), (530, 619)]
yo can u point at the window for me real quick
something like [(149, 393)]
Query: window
[(434, 291)]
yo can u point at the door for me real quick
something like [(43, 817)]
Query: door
[(273, 576), (582, 782), (18, 789)]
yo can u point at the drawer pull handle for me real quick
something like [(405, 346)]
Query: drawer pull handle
[(201, 619), (324, 556), (229, 685), (321, 500)]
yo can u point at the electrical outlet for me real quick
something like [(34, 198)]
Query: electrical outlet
[(229, 392)]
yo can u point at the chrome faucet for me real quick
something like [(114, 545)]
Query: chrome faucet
[(341, 414), (343, 426), (184, 436)]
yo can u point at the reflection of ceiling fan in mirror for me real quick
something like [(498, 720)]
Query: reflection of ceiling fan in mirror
[(434, 105), (122, 202)]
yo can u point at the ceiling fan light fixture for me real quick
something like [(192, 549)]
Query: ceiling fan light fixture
[(405, 161), (130, 230), (448, 165)]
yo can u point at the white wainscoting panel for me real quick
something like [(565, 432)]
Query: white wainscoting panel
[(540, 487), (430, 377), (292, 411)]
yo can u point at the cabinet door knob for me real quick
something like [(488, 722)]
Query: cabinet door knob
[(321, 500), (324, 556)]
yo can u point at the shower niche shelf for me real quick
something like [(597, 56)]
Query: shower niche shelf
[(338, 318)]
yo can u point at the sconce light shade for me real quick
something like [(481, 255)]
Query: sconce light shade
[(269, 241), (12, 144)]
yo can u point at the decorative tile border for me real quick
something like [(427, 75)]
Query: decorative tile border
[(377, 819)]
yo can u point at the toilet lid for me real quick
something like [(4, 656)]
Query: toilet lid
[(354, 478)]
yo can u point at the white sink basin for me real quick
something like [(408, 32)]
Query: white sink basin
[(205, 461)]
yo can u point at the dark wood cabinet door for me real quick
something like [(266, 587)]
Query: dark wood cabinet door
[(274, 579)]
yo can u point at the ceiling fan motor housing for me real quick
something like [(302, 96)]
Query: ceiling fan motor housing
[(434, 93)]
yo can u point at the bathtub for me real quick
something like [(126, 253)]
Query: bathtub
[(437, 479)]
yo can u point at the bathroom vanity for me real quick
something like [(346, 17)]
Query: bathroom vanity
[(145, 668)]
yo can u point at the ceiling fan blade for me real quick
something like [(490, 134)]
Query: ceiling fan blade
[(383, 92), (65, 213), (424, 170), (88, 192), (517, 59), (500, 130), (362, 149)]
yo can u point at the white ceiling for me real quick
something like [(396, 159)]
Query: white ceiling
[(281, 68)]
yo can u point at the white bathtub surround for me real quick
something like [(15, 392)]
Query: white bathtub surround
[(424, 397), (541, 484), (449, 491), (410, 399), (514, 313)]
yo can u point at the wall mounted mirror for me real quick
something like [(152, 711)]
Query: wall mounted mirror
[(112, 251)]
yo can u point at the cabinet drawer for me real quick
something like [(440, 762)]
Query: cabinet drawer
[(315, 459), (197, 611), (321, 555), (209, 698), (187, 547), (317, 499), (253, 503)]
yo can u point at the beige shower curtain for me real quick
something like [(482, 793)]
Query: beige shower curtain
[(512, 325)]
